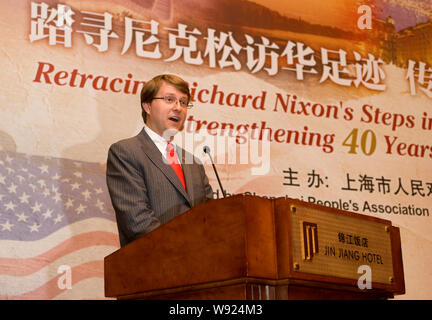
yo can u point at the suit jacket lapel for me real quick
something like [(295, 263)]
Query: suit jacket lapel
[(155, 156)]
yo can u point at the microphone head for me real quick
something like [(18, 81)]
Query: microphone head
[(206, 149)]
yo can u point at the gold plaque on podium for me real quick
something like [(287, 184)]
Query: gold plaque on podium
[(330, 244)]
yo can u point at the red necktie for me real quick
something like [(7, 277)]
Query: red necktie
[(175, 164)]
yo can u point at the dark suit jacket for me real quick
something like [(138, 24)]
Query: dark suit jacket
[(145, 191)]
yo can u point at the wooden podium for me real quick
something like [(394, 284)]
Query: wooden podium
[(246, 247)]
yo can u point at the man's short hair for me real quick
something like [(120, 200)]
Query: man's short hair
[(151, 88)]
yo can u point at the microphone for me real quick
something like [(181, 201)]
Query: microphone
[(206, 149)]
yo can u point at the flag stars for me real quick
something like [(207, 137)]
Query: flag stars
[(22, 217), (34, 227), (43, 168), (58, 219), (10, 206), (56, 176), (37, 207), (86, 194), (47, 214), (46, 192), (24, 198), (80, 209), (7, 226), (42, 183), (10, 170), (75, 185), (40, 196), (12, 188), (56, 197), (69, 203), (100, 204)]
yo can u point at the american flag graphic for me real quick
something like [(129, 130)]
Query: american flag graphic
[(55, 214)]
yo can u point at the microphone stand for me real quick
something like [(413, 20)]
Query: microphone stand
[(206, 149)]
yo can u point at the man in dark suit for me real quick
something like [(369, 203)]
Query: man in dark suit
[(148, 180)]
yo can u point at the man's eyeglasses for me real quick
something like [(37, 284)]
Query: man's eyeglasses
[(171, 99)]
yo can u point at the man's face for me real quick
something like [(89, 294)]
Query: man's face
[(162, 116)]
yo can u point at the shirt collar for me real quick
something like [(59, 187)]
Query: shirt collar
[(159, 141)]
